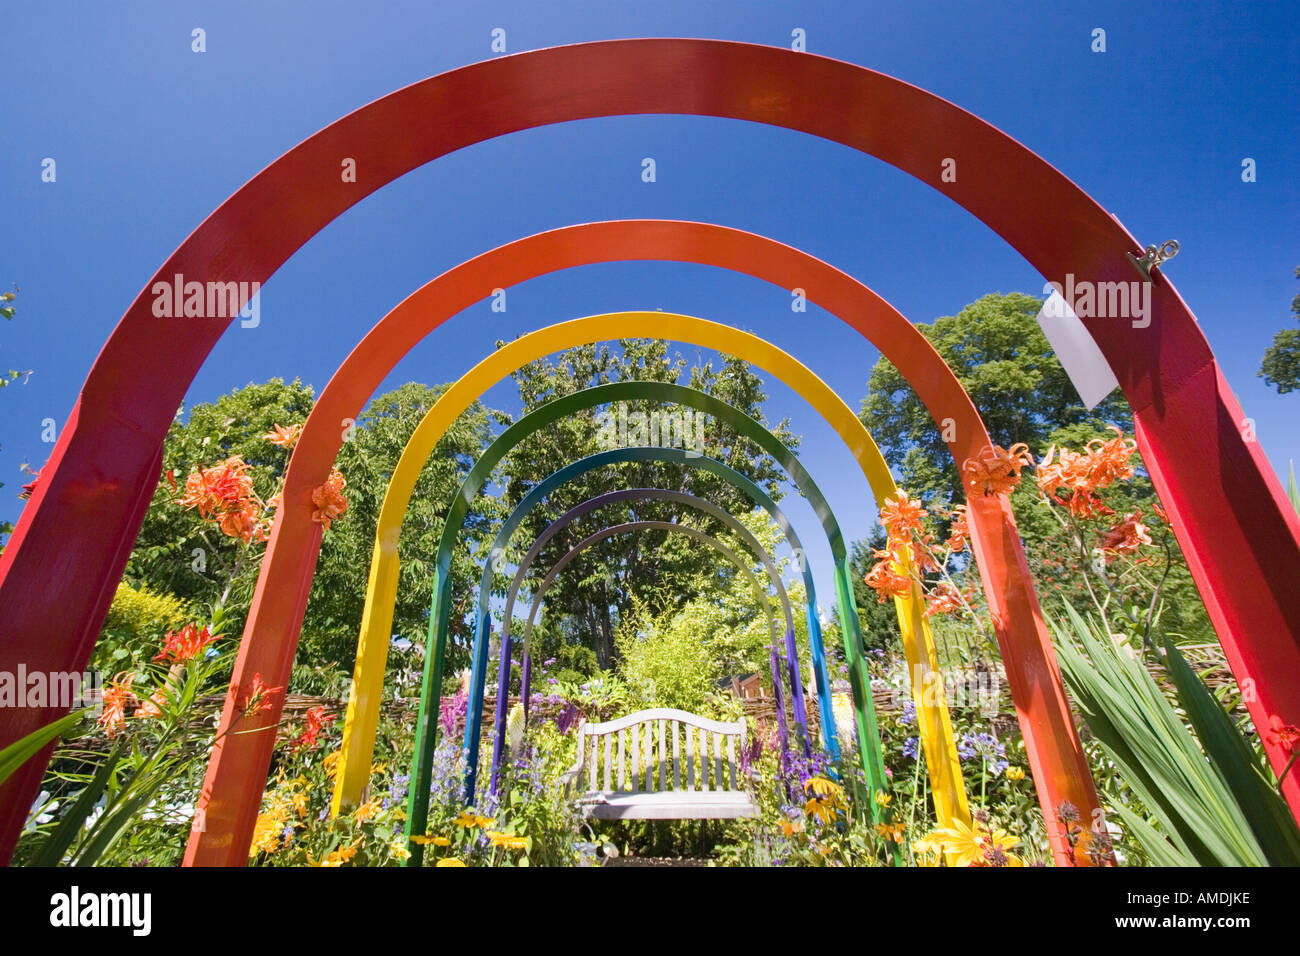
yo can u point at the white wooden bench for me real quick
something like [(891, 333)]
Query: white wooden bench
[(657, 765)]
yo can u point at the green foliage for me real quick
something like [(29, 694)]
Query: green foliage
[(596, 591), (675, 658), (878, 619), (20, 751), (135, 803), (670, 666), (179, 553), (1208, 802), (1281, 363), (136, 620), (998, 352), (367, 459)]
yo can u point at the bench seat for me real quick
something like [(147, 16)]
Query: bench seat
[(668, 805), (660, 764)]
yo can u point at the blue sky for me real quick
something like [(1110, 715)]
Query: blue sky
[(149, 137)]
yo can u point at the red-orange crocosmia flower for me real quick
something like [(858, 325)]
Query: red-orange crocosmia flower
[(282, 436), (185, 644), (960, 529), (885, 580), (1081, 474), (996, 470), (258, 698), (1110, 459), (944, 599), (901, 516), (153, 706), (1127, 537), (316, 721), (329, 500), (1286, 736), (224, 494), (116, 697)]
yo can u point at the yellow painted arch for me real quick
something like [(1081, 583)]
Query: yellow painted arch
[(933, 722)]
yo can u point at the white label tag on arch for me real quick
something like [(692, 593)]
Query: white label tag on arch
[(1078, 353)]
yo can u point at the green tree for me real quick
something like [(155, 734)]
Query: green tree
[(367, 460), (177, 553), (998, 352), (597, 588), (879, 619), (1281, 365)]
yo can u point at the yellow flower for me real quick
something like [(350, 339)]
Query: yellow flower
[(378, 768), (340, 856), (823, 810), (399, 851), (883, 798), (971, 847), (435, 840), (450, 861), (823, 787), (891, 831), (929, 850), (266, 833), (791, 827), (507, 840), (331, 763), (368, 810), (930, 843), (1015, 773)]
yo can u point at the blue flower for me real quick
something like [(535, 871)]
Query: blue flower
[(909, 747), (980, 745), (908, 715)]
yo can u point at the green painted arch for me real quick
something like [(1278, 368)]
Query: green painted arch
[(426, 725), (576, 469), (868, 735)]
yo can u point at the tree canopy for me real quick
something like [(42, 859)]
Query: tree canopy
[(1002, 358), (1281, 364), (596, 590)]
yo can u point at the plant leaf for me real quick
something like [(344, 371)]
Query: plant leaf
[(20, 751)]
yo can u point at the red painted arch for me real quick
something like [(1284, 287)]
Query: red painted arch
[(1228, 509)]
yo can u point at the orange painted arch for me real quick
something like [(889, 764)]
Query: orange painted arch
[(1055, 757)]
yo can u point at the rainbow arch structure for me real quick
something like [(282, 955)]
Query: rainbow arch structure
[(828, 730), (588, 542), (1228, 510), (376, 625)]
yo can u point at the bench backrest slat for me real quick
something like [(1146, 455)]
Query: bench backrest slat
[(647, 734), (677, 768), (690, 757)]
